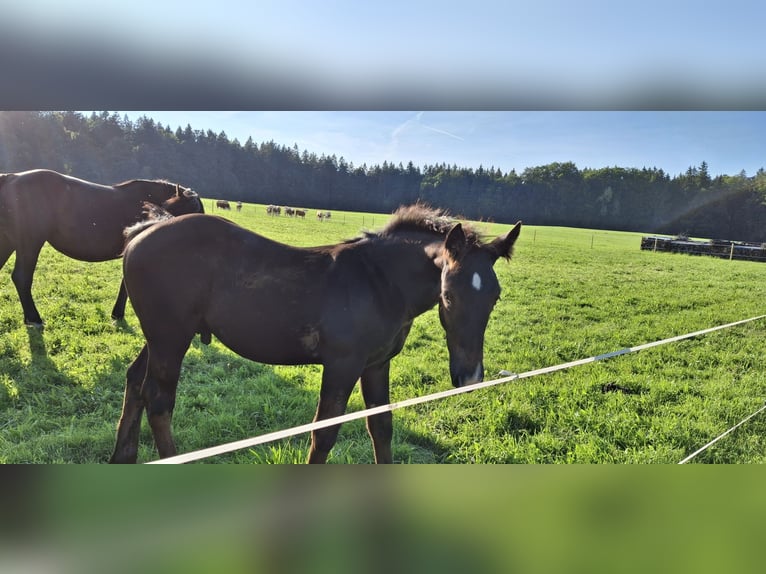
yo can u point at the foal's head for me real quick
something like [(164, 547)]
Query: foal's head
[(469, 287), (469, 291)]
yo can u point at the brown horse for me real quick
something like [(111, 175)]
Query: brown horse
[(82, 220), (348, 307)]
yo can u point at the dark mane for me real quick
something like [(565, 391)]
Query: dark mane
[(134, 181), (421, 217), (152, 214)]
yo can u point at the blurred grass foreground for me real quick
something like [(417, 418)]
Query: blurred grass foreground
[(399, 519)]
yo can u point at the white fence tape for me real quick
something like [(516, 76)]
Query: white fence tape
[(282, 434), (719, 437)]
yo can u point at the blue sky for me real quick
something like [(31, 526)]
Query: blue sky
[(588, 46), (346, 54), (673, 141), (528, 59)]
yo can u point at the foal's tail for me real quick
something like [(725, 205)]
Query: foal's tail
[(154, 214)]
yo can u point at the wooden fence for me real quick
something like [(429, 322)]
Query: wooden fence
[(722, 248)]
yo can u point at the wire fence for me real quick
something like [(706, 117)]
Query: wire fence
[(286, 433), (721, 249)]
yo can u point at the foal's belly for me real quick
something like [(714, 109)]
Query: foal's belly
[(270, 342)]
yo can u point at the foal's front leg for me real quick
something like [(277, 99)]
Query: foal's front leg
[(338, 381), (380, 427)]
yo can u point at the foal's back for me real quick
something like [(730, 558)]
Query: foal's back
[(263, 299)]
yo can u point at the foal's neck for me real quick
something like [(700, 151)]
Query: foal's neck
[(419, 277)]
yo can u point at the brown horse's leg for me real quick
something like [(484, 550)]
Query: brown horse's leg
[(118, 311), (5, 251), (375, 393), (337, 383), (126, 447), (23, 271)]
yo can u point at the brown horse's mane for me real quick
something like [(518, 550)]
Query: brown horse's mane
[(421, 217), (132, 181)]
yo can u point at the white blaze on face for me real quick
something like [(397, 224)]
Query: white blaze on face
[(476, 281)]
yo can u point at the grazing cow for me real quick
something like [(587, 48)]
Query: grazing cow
[(222, 204)]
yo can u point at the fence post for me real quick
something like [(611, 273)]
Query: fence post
[(731, 253)]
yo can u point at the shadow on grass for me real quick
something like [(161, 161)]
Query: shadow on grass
[(123, 326), (54, 414), (222, 397), (40, 363), (36, 342), (424, 448)]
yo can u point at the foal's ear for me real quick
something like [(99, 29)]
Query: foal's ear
[(455, 242), (503, 246)]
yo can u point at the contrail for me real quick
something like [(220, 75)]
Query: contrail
[(433, 129), (417, 121), (438, 131)]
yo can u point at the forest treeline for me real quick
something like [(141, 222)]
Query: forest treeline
[(107, 148)]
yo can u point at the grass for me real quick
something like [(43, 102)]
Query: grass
[(567, 294)]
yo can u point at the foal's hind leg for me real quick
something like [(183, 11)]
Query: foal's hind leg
[(23, 272), (380, 427), (118, 311), (159, 394), (126, 447)]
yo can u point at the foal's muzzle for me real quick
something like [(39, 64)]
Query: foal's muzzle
[(465, 377)]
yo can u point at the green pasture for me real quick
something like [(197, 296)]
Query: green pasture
[(567, 294)]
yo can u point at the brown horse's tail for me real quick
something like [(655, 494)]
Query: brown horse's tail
[(4, 178)]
